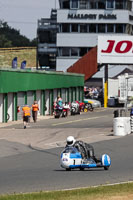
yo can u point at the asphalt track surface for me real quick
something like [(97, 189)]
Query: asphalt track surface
[(34, 169), (98, 119)]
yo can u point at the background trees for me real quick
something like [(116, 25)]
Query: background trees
[(10, 37)]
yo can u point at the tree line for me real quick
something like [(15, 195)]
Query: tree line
[(10, 37)]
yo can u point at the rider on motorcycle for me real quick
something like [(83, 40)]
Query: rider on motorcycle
[(59, 101), (86, 150)]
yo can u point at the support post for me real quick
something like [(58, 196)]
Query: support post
[(106, 87), (43, 103)]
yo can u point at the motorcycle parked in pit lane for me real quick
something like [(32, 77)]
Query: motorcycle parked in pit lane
[(88, 107), (58, 111), (66, 109), (61, 111), (75, 108), (81, 106)]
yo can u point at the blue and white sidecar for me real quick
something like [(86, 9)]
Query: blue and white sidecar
[(71, 158)]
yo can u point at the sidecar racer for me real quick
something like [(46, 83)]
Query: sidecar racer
[(71, 158)]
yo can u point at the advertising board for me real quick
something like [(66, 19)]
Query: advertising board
[(114, 49)]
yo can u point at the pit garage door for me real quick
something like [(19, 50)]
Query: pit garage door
[(67, 95), (55, 95), (39, 100), (10, 109), (1, 107), (20, 102), (70, 94), (74, 94), (63, 95), (30, 98), (47, 100)]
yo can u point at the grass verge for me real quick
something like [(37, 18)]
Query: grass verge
[(114, 192), (23, 53)]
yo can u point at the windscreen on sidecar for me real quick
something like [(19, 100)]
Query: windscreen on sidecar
[(70, 150)]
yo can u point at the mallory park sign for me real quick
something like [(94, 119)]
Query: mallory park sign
[(92, 16)]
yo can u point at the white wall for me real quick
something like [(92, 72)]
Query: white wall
[(10, 106), (1, 107), (77, 39)]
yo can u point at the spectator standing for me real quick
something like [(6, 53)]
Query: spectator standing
[(35, 109), (26, 115)]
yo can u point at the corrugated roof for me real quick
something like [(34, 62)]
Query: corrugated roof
[(126, 70), (86, 65)]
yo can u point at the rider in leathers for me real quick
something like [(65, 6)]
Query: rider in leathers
[(86, 150)]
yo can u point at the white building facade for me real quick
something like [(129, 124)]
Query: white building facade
[(81, 21)]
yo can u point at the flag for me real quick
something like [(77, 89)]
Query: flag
[(14, 63), (23, 64)]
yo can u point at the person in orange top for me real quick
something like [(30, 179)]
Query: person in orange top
[(26, 115), (35, 109)]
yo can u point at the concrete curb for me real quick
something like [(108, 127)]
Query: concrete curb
[(10, 123)]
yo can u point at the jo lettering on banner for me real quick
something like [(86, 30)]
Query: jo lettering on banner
[(119, 47)]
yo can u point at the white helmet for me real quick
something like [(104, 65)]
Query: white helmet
[(70, 141)]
